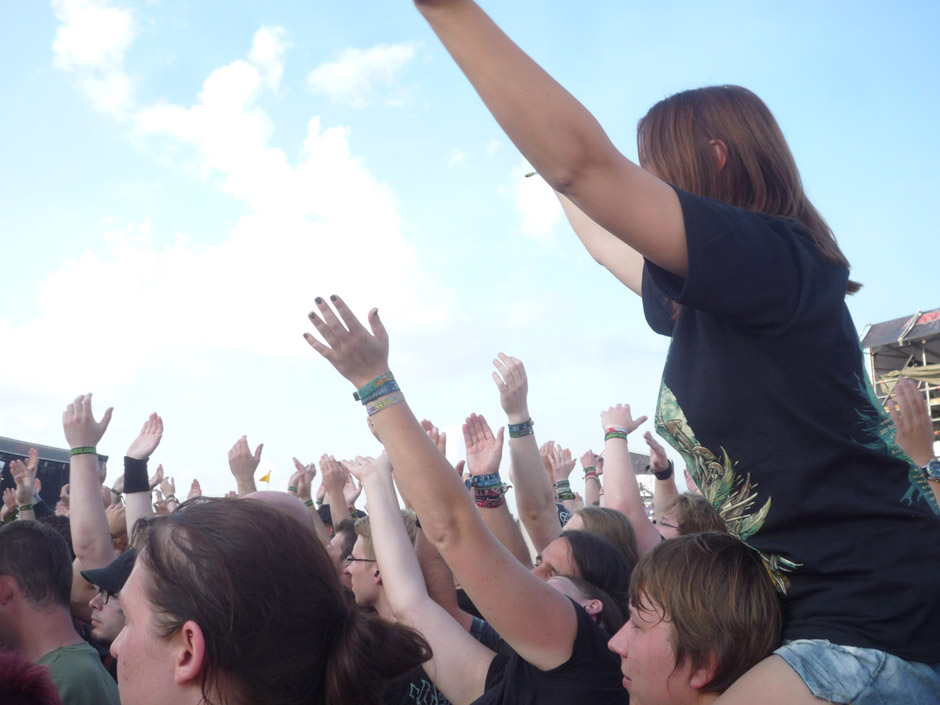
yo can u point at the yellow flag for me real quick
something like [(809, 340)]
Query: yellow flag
[(267, 478)]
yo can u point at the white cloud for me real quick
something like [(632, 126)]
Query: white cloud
[(355, 76), (457, 158), (493, 147), (90, 43), (267, 54), (536, 202)]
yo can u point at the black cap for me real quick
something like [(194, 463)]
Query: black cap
[(114, 575)]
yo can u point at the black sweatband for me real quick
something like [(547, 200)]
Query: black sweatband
[(664, 474), (135, 475)]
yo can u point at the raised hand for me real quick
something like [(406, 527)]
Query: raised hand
[(911, 418), (243, 463), (334, 474), (561, 463), (9, 502), (658, 459), (363, 468), (78, 422), (484, 450), (351, 491), (357, 354), (195, 490), (148, 439), (590, 459), (513, 385), (168, 487), (440, 439), (159, 505), (619, 416), (302, 479), (24, 480), (117, 520), (157, 477)]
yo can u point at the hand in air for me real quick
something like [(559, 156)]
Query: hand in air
[(911, 418), (658, 459), (513, 385), (619, 416), (357, 354), (78, 422), (484, 450), (148, 439), (363, 468), (241, 461)]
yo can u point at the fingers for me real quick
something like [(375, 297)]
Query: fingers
[(378, 328), (106, 419), (349, 318), (257, 454)]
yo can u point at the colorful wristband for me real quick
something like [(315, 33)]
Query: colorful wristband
[(610, 435), (384, 390), (25, 508), (485, 481), (308, 503), (370, 387), (114, 491), (384, 403), (84, 450), (664, 474), (518, 430)]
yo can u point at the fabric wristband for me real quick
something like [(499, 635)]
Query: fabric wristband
[(385, 389), (83, 450), (664, 474), (384, 403), (25, 508), (485, 481), (370, 387), (308, 503), (135, 475), (115, 492), (610, 435), (518, 430)]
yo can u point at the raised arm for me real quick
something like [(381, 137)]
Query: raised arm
[(915, 429), (91, 537), (593, 466), (459, 663), (559, 137), (484, 453), (299, 486), (616, 256), (137, 484), (665, 490), (334, 479), (535, 496), (534, 619), (621, 490), (243, 463)]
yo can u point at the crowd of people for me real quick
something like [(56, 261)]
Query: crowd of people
[(797, 569)]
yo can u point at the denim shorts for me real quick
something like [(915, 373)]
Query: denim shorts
[(856, 676)]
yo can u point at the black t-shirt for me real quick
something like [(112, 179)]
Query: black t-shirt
[(592, 674), (414, 688), (765, 395)]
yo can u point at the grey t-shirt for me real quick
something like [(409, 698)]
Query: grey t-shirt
[(79, 676)]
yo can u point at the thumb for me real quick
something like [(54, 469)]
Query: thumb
[(106, 419), (378, 328), (258, 451)]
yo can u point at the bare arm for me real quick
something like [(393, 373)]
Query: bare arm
[(534, 619), (593, 466), (608, 250), (665, 490), (137, 485), (334, 479), (621, 490), (559, 137), (243, 463), (459, 663), (535, 496), (484, 452), (299, 486), (91, 537)]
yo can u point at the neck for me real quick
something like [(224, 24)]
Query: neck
[(383, 607), (45, 630)]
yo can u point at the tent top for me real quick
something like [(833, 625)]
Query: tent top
[(920, 326)]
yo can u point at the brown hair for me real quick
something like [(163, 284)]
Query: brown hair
[(716, 593), (694, 514), (364, 529), (613, 526), (674, 142), (277, 626), (612, 615)]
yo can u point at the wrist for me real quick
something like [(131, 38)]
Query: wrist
[(518, 416)]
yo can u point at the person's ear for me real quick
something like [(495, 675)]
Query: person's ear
[(720, 152), (377, 576), (191, 653), (7, 583), (704, 675), (594, 607)]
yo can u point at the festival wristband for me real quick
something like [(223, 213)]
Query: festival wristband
[(518, 430), (384, 403), (84, 450), (370, 387)]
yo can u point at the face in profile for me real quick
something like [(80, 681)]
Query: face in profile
[(556, 559), (145, 658), (107, 616)]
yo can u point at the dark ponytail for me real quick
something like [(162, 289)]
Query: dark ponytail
[(369, 653)]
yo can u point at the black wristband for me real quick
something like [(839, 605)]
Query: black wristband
[(135, 475), (664, 474)]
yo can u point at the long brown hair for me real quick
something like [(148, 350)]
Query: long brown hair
[(674, 142), (277, 625)]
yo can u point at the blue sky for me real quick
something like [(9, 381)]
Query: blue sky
[(181, 179)]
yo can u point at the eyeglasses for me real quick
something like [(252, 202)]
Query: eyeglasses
[(104, 595), (668, 525), (350, 560)]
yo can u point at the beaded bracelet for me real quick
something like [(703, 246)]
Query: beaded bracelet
[(518, 430), (384, 403), (84, 450), (370, 387)]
